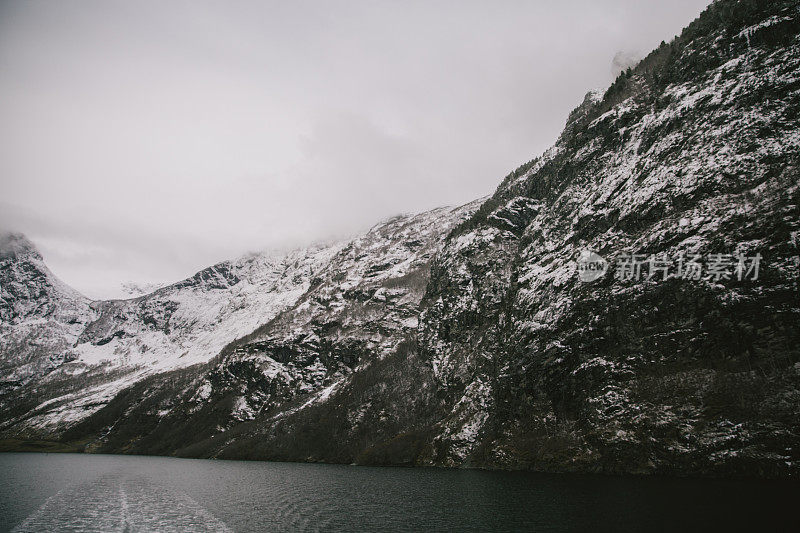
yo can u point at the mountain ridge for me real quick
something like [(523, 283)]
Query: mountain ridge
[(117, 343)]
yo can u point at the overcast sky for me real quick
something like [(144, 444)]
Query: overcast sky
[(144, 140)]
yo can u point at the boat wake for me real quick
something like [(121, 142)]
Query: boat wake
[(126, 505)]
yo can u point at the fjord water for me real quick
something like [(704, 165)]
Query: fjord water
[(71, 492)]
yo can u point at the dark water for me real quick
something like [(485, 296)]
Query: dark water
[(65, 492)]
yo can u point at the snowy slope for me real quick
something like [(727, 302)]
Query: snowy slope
[(73, 355), (191, 321)]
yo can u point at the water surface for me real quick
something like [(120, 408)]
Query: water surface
[(73, 492)]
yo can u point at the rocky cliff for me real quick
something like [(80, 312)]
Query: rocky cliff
[(692, 156)]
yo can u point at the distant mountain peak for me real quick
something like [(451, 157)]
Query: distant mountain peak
[(133, 289)]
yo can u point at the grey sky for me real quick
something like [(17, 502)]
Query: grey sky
[(141, 141)]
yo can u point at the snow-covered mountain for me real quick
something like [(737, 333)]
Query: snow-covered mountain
[(467, 336), (41, 318), (85, 353), (690, 157), (52, 337)]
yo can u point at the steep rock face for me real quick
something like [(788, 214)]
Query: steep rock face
[(693, 152), (363, 307), (40, 316)]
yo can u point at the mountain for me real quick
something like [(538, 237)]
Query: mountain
[(627, 302), (40, 316), (65, 356), (357, 295), (692, 155)]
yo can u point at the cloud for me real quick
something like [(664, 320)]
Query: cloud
[(623, 60), (142, 142)]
